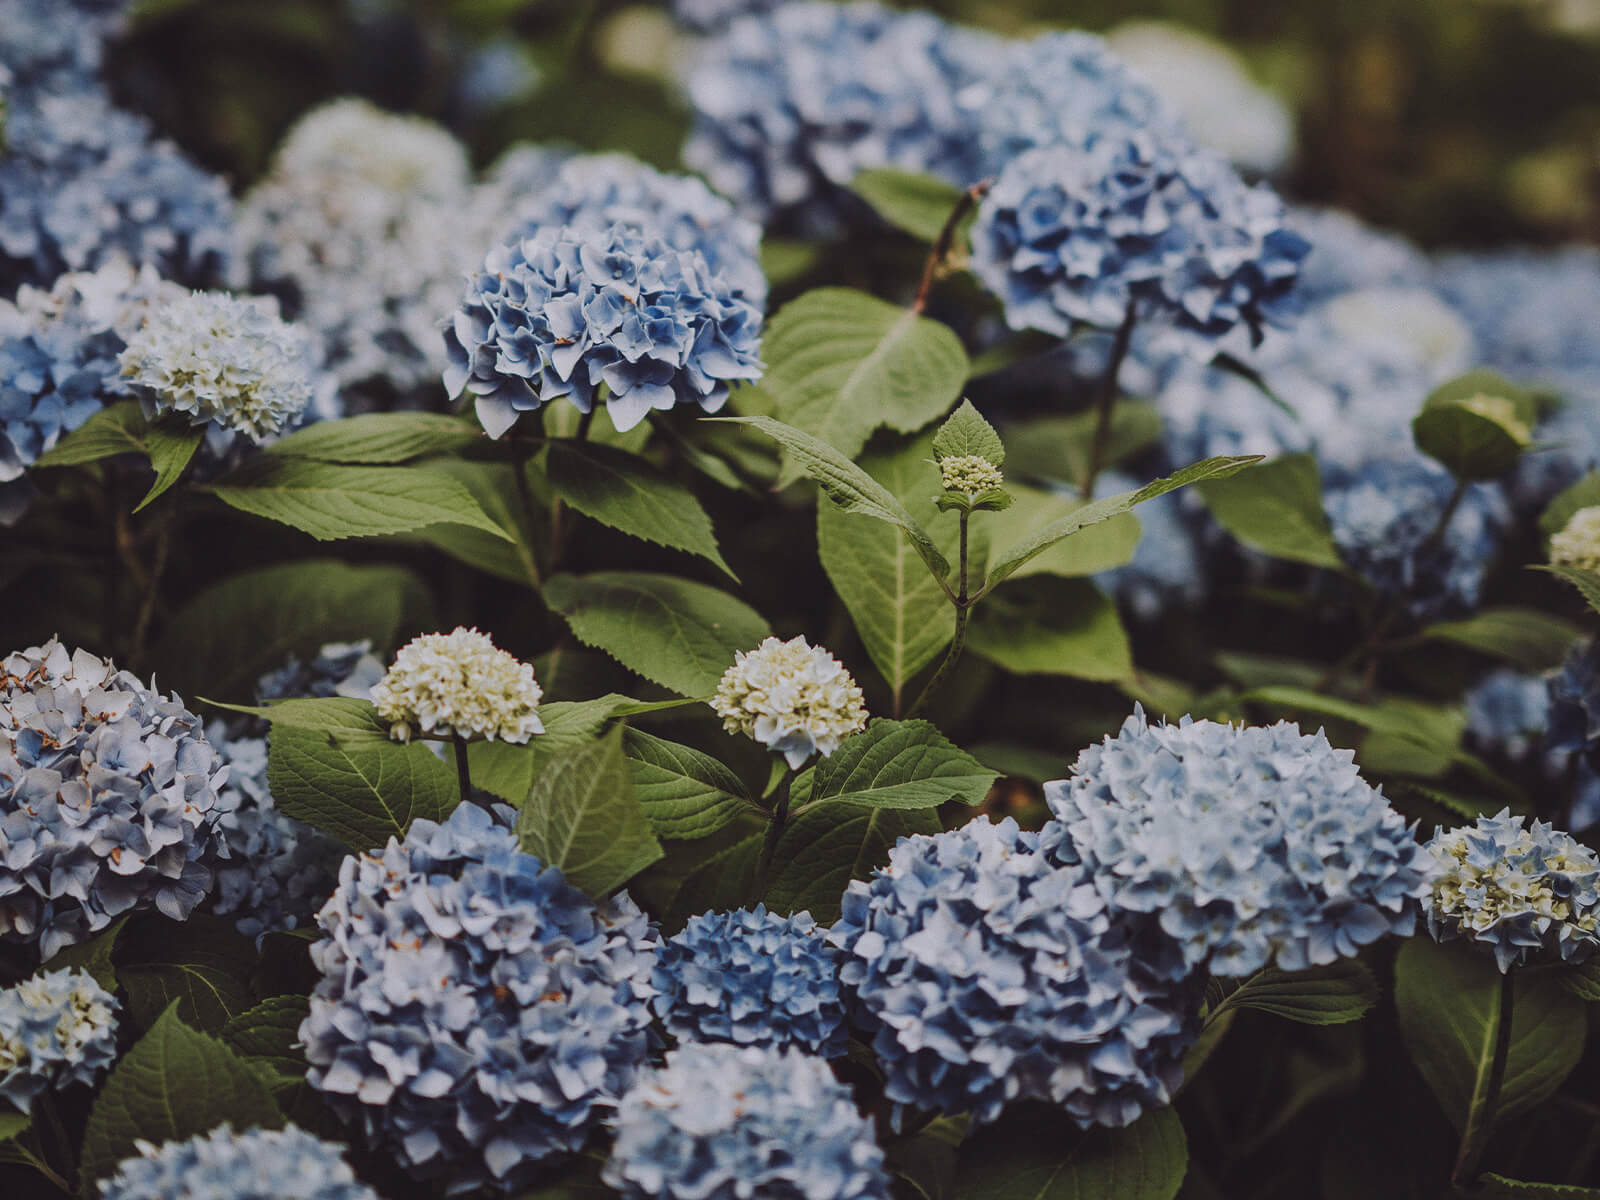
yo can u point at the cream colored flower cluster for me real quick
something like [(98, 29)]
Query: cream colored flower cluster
[(1578, 542), (792, 697), (969, 473), (444, 684)]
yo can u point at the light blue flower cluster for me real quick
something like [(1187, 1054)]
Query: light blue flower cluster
[(1528, 894), (108, 799), (1251, 846), (338, 669), (754, 979), (988, 968), (56, 1030), (258, 1164), (1348, 255), (477, 1015), (52, 41), (1508, 712), (565, 313), (720, 1122), (709, 16), (1575, 704), (1136, 223)]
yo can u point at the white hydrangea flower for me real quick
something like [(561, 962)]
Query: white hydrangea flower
[(1503, 413), (1578, 543), (228, 359), (395, 152), (460, 683), (791, 696), (969, 473)]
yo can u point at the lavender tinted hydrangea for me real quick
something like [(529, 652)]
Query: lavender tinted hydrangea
[(1575, 704), (108, 798), (563, 313), (987, 968), (1249, 845), (722, 1122), (56, 1030), (257, 1164), (752, 978), (477, 1015)]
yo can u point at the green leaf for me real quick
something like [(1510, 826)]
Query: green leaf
[(331, 501), (630, 494), (116, 429), (1493, 1187), (508, 771), (841, 363), (966, 433), (1532, 640), (918, 204), (348, 778), (12, 1126), (900, 764), (493, 485), (1100, 547), (230, 633), (1331, 995), (1048, 1159), (1103, 510), (171, 447), (173, 1084), (684, 793), (1471, 445), (1583, 494), (723, 881), (268, 1034), (379, 438), (1053, 627), (1587, 582), (583, 817), (679, 634), (1582, 980), (1059, 448), (92, 955), (847, 485), (1448, 1000), (1276, 507), (1483, 382), (827, 845), (203, 965)]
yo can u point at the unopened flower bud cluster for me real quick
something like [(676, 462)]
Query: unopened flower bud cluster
[(969, 473), (1578, 542), (450, 684), (791, 696)]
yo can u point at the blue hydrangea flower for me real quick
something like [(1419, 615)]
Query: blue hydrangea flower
[(1249, 845), (108, 799), (1575, 704), (258, 1164), (56, 1030), (988, 968), (338, 669), (477, 1015), (720, 1122), (1508, 712), (754, 979), (1528, 894), (710, 16), (1348, 255), (565, 313), (1169, 566), (1073, 235), (55, 42)]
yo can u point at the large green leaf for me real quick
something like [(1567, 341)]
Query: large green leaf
[(379, 438), (1331, 995), (268, 1035), (508, 771), (1099, 547), (173, 1084), (1586, 581), (1533, 640), (1276, 507), (966, 434), (1048, 1159), (827, 845), (1052, 627), (684, 792), (629, 493), (494, 486), (841, 363), (1448, 1000), (331, 501), (900, 764), (171, 446), (918, 204), (203, 965), (582, 816), (674, 632), (116, 429), (1471, 445)]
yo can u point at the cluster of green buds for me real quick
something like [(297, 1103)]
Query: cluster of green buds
[(969, 455)]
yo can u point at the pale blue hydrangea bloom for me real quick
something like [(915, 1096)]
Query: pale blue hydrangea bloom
[(1529, 894), (346, 669), (108, 799), (988, 969), (477, 1015), (752, 978), (258, 1164), (56, 42), (720, 1122), (56, 1030), (1508, 711), (1251, 846), (1072, 235), (1348, 255), (565, 313), (1575, 704), (710, 16)]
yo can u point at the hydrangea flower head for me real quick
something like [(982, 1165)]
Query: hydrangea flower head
[(42, 44), (564, 312), (1575, 704), (392, 151), (791, 696), (254, 1163), (223, 359), (108, 798), (1250, 845), (988, 968), (477, 1014), (1348, 255), (969, 473), (726, 1122), (56, 1029), (1508, 712), (459, 684), (347, 669), (1577, 543), (752, 978), (1527, 893)]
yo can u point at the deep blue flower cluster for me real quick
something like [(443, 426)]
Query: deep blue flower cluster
[(1251, 846), (56, 1030), (566, 313), (477, 1015), (752, 978), (257, 1164), (720, 1122), (987, 968), (108, 799)]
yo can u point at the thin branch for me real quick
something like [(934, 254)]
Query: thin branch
[(946, 240)]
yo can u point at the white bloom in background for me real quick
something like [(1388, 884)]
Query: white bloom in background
[(1578, 543), (404, 154), (448, 684), (221, 358), (791, 696), (969, 473)]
